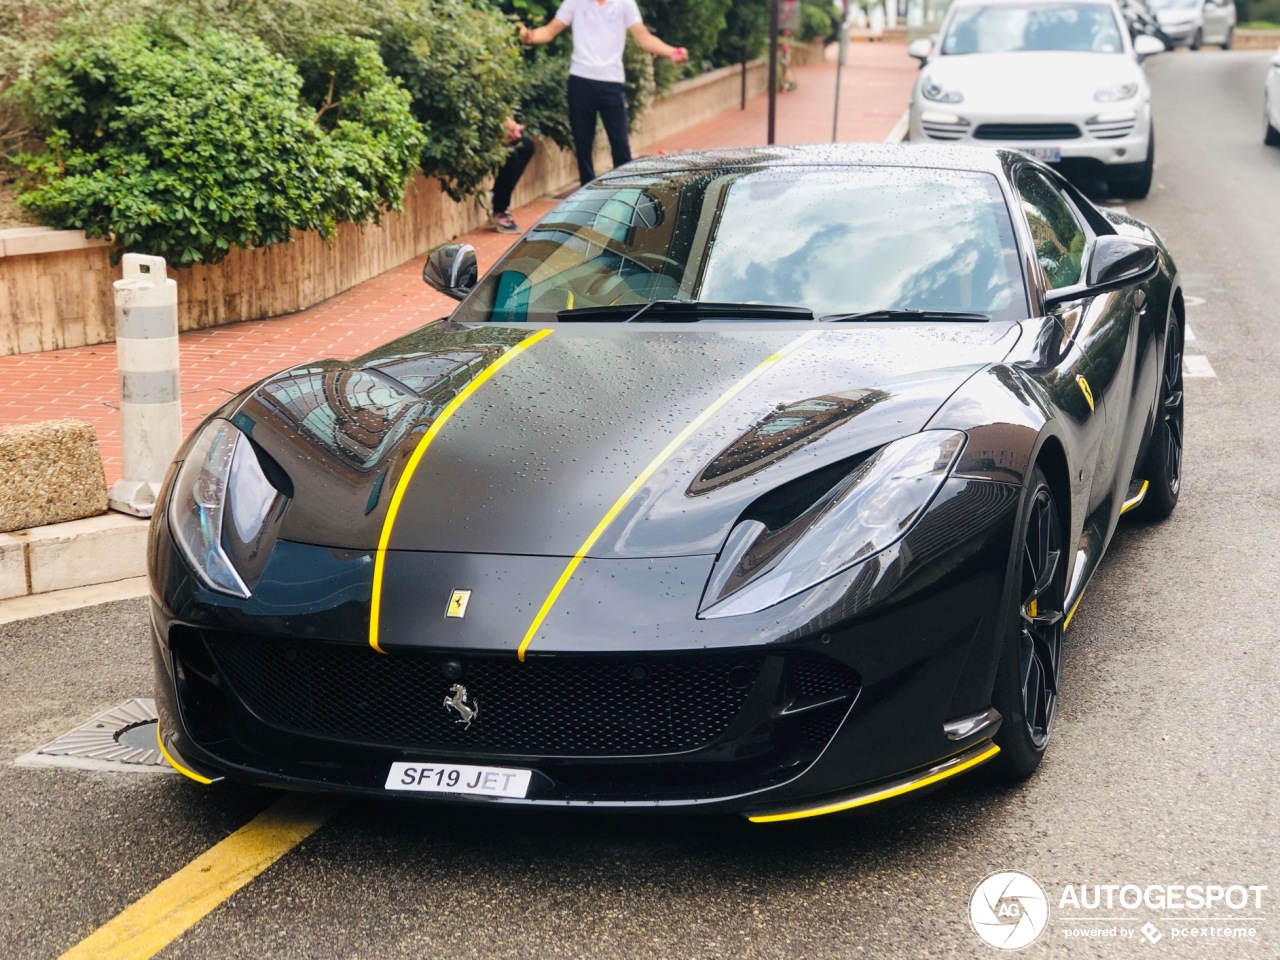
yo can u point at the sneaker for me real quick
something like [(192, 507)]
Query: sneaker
[(503, 223)]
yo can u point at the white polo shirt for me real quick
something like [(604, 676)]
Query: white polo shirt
[(599, 36)]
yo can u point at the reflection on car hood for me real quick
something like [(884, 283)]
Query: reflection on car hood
[(1031, 84), (536, 455)]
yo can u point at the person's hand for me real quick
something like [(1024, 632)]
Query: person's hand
[(679, 55), (524, 33)]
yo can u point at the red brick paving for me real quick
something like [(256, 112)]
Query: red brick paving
[(216, 363)]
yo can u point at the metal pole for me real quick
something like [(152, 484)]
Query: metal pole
[(744, 73), (773, 68), (147, 355)]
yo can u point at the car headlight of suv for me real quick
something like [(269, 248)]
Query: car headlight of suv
[(1116, 92), (932, 90), (219, 476), (870, 509)]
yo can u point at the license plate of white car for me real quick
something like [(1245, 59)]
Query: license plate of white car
[(459, 778), (1047, 154)]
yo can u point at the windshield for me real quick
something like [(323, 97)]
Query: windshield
[(1080, 27), (1173, 4), (825, 239)]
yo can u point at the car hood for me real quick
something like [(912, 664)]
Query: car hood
[(1029, 84), (533, 457)]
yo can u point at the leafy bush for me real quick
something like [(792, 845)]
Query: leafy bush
[(461, 64), (26, 30), (374, 137), (178, 149), (694, 24), (746, 29), (819, 20)]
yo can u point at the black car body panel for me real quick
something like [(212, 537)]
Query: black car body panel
[(630, 693)]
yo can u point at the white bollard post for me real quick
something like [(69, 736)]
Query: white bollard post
[(147, 355)]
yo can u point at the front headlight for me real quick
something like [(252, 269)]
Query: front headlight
[(219, 459), (867, 511), (1115, 92), (932, 90)]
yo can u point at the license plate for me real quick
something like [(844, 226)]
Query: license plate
[(1047, 154), (459, 778)]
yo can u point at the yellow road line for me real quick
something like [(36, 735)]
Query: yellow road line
[(380, 557), (880, 795), (150, 924), (643, 478)]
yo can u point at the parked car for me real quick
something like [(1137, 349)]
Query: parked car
[(1193, 23), (1141, 20), (757, 481), (1061, 81), (1272, 103)]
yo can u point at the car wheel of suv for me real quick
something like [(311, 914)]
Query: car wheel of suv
[(1132, 181), (1272, 137), (1198, 40), (1030, 671), (1226, 41)]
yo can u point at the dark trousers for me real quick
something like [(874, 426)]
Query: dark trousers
[(587, 100), (518, 156)]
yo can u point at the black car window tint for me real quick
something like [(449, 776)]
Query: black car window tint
[(1057, 235)]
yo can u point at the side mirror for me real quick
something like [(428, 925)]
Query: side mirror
[(920, 49), (452, 269), (1146, 46), (1115, 262)]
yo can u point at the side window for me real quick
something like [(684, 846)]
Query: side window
[(1057, 234)]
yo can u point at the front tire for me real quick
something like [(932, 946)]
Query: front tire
[(1197, 41), (1272, 136), (1132, 181), (1227, 40), (1028, 678), (1162, 468)]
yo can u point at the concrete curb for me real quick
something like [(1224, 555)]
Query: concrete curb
[(78, 553)]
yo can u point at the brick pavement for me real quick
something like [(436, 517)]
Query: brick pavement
[(216, 363)]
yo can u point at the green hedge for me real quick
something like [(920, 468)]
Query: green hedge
[(188, 146)]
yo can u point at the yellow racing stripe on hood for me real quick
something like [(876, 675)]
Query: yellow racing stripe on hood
[(380, 557), (676, 442)]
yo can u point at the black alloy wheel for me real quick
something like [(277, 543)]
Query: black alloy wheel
[(1028, 680), (1162, 468)]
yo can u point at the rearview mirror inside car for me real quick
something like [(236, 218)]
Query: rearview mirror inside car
[(452, 269)]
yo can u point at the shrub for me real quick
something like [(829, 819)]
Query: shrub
[(746, 27), (693, 24), (461, 64), (177, 149), (375, 139)]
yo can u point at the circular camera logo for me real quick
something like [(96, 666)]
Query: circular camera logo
[(1009, 910)]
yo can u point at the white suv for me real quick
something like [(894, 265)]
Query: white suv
[(1196, 22), (1271, 135), (1058, 79)]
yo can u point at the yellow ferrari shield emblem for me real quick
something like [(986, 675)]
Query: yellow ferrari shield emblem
[(458, 601)]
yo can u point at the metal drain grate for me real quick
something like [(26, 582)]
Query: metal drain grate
[(122, 738)]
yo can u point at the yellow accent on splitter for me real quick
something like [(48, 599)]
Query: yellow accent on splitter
[(640, 481), (1136, 499), (881, 794), (380, 557), (175, 764), (1072, 612)]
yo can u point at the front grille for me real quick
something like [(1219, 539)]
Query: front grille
[(554, 706), (944, 131), (1027, 131), (1110, 129), (816, 678)]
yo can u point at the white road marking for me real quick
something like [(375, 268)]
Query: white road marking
[(1188, 334), (1194, 365), (1193, 301)]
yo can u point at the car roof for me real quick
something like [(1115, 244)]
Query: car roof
[(934, 156)]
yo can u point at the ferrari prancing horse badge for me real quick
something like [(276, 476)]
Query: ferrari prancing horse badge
[(458, 604)]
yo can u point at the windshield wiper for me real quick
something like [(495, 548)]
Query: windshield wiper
[(869, 316), (684, 311)]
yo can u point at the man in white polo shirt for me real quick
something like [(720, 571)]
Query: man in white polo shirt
[(597, 83)]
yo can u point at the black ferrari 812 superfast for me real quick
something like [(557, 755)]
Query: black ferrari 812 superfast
[(762, 481)]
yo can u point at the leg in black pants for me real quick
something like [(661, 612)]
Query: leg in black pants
[(587, 100), (518, 156)]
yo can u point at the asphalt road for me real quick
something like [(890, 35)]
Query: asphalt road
[(1164, 770)]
